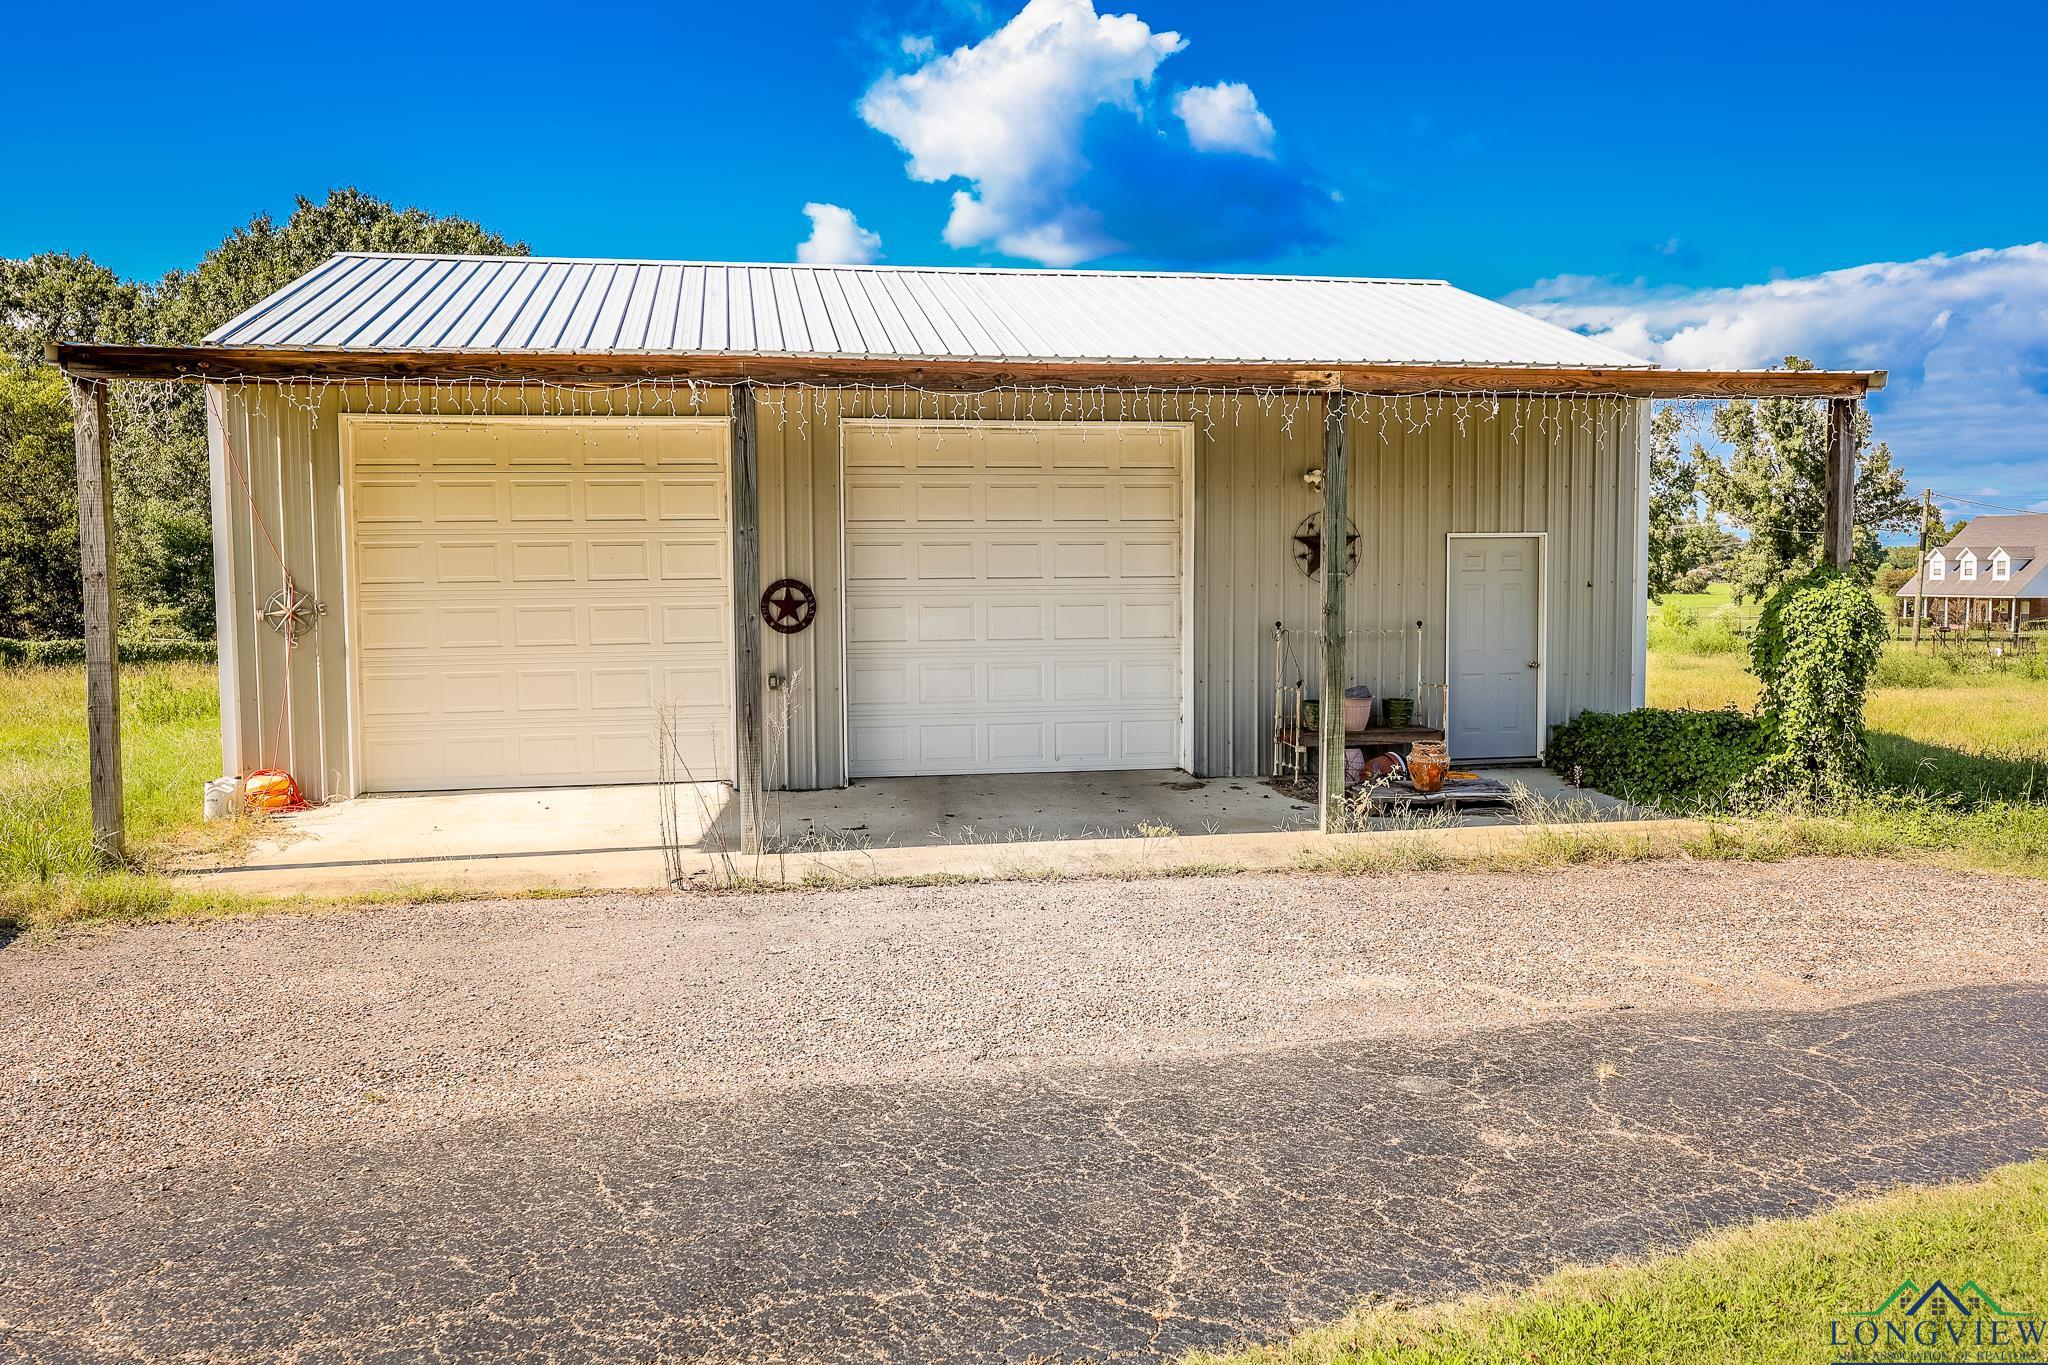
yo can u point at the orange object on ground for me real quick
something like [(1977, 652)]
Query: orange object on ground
[(269, 790), (1428, 763)]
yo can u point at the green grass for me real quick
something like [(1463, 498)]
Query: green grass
[(1762, 1294), (170, 730), (1960, 747)]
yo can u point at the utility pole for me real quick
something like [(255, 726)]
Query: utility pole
[(1920, 575)]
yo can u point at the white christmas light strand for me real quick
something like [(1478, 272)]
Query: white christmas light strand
[(1550, 416)]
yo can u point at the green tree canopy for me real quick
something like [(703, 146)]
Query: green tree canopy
[(163, 537), (1772, 487), (39, 584), (54, 297), (1687, 544)]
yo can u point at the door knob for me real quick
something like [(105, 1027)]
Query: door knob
[(1535, 664)]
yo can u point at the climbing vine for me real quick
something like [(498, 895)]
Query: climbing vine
[(1817, 644)]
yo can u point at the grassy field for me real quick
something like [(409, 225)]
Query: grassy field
[(170, 727), (170, 731), (1959, 740), (1973, 733), (1769, 1293)]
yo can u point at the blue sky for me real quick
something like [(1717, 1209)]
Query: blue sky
[(1703, 186)]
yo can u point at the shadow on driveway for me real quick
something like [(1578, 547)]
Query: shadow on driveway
[(1124, 1211)]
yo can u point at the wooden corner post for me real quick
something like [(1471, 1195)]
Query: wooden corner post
[(1335, 548), (746, 620), (1840, 530), (90, 436)]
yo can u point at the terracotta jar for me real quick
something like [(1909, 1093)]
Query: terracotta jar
[(1428, 762)]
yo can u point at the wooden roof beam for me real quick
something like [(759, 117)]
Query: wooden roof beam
[(193, 363)]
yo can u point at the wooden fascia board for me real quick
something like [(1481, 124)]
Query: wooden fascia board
[(224, 363)]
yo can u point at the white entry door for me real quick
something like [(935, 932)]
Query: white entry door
[(1014, 597), (1496, 653), (527, 590)]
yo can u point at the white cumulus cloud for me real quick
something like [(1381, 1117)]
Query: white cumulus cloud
[(1007, 113), (837, 238), (1963, 337), (1225, 118)]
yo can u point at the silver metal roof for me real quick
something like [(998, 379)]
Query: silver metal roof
[(363, 301)]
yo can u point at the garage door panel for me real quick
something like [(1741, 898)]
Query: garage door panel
[(1148, 558), (489, 655), (388, 502), (880, 624), (1041, 634), (704, 558), (946, 623), (1014, 622), (538, 626), (1016, 560), (536, 502), (543, 561), (1018, 745), (1016, 502), (1012, 682), (397, 562), (879, 683), (484, 692), (616, 500), (947, 561)]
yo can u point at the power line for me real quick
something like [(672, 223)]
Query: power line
[(1979, 502)]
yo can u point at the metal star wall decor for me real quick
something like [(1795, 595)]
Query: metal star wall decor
[(789, 605)]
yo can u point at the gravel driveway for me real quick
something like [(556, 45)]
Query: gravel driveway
[(1093, 1119)]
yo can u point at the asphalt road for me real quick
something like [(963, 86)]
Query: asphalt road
[(1105, 1207)]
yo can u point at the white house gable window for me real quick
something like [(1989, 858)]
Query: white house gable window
[(2001, 566), (1937, 567), (1966, 565)]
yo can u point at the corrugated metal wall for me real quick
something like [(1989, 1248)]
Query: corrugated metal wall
[(1573, 469)]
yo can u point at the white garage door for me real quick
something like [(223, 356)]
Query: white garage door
[(1013, 597), (527, 590)]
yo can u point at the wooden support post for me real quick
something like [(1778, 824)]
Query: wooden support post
[(746, 619), (91, 440), (1840, 531), (1920, 578), (1335, 548)]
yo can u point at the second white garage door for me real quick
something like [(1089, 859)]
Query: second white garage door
[(528, 590), (1014, 597)]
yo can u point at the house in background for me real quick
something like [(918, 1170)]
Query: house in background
[(482, 522), (1992, 576)]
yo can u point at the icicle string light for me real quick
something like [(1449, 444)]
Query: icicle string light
[(1543, 416)]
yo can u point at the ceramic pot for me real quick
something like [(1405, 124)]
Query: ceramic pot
[(1428, 762)]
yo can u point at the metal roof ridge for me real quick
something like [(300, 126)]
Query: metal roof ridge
[(881, 268)]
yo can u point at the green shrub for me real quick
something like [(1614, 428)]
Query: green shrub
[(51, 653), (1685, 760), (1681, 629), (1816, 647), (1902, 668)]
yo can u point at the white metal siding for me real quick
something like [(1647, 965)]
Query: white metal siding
[(1571, 469)]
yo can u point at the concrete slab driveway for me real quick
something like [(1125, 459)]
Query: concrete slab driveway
[(1108, 1120)]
